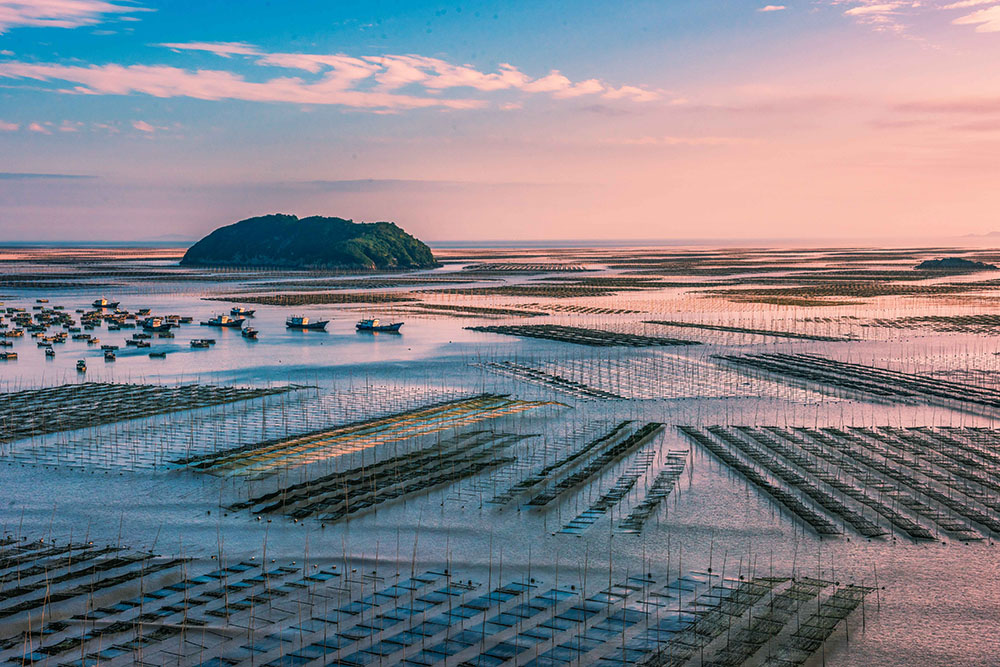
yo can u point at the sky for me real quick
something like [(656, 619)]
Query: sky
[(467, 121)]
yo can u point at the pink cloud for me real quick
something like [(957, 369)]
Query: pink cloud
[(59, 13), (772, 8), (163, 81), (143, 126), (965, 105), (985, 20), (8, 127), (39, 128), (393, 72), (224, 49)]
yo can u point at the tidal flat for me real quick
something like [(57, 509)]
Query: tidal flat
[(649, 456)]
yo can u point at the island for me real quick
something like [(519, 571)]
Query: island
[(315, 242), (954, 265)]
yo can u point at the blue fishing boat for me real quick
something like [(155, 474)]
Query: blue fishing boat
[(294, 322), (378, 325)]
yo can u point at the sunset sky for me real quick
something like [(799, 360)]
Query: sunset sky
[(516, 120)]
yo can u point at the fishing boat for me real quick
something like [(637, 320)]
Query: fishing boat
[(240, 311), (6, 343), (81, 366), (158, 355), (109, 347), (199, 343), (225, 321), (109, 355), (156, 324), (250, 333), (7, 356), (378, 325), (49, 352), (294, 322), (104, 303)]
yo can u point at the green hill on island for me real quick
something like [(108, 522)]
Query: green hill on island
[(316, 242)]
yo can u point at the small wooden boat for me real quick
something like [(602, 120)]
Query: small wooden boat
[(81, 366), (199, 343), (8, 356), (294, 322), (158, 355), (378, 325), (250, 333), (142, 343), (109, 347), (109, 355), (49, 352)]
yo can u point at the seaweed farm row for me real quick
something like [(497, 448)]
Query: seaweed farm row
[(334, 613), (272, 456), (154, 443), (617, 444), (922, 483), (341, 494), (582, 336), (751, 331), (876, 382), (646, 377), (33, 412)]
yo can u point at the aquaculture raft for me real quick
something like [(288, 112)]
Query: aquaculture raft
[(72, 406), (582, 336)]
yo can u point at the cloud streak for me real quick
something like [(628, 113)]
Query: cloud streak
[(391, 73), (59, 13), (985, 20), (375, 83)]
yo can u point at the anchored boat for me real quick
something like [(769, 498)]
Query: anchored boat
[(225, 321), (157, 324), (250, 333), (378, 325), (104, 303), (240, 311), (294, 322)]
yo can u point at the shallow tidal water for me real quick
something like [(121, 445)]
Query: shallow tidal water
[(937, 602)]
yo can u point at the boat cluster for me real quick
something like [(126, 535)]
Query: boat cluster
[(50, 326), (237, 317), (42, 321)]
